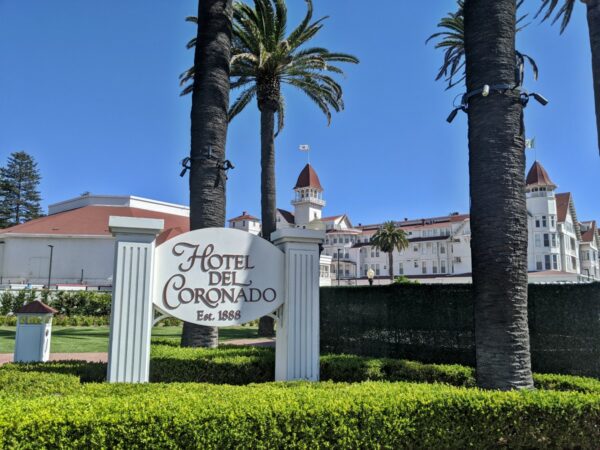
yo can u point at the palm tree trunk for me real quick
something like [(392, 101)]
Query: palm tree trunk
[(498, 206), (210, 103), (593, 19), (268, 200), (391, 263)]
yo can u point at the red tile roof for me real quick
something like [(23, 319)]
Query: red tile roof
[(93, 221), (330, 218), (563, 201), (287, 216), (35, 307), (538, 176), (308, 178), (588, 236), (244, 216)]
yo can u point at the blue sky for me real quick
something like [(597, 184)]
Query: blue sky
[(90, 89)]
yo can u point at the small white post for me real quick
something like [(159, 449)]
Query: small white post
[(297, 342), (131, 311)]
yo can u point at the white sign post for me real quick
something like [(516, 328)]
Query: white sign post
[(214, 277), (131, 309), (297, 341)]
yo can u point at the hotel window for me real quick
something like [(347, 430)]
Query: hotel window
[(574, 262), (424, 267), (554, 242), (555, 262), (573, 244), (416, 248), (377, 252), (377, 269), (372, 252), (538, 240), (442, 248), (347, 240), (546, 240), (434, 268), (537, 222), (416, 264), (401, 269), (443, 267), (429, 247), (547, 261), (538, 262), (423, 249), (553, 221), (544, 224)]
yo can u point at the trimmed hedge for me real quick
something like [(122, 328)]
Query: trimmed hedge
[(246, 365), (300, 415), (45, 406), (434, 323)]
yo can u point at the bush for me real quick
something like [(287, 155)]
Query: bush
[(300, 415), (244, 365), (82, 371), (226, 365), (31, 384)]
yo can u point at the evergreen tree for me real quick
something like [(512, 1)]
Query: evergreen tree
[(19, 195)]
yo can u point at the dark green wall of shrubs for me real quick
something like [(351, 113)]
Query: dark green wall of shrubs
[(434, 323)]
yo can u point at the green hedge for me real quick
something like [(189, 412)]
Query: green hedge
[(246, 365), (300, 415), (434, 323)]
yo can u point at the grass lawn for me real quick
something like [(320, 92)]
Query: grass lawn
[(95, 339)]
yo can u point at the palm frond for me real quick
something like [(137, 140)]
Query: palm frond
[(242, 101), (548, 7), (452, 41)]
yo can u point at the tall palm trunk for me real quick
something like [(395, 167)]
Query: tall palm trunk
[(593, 19), (210, 103), (498, 207), (268, 200), (391, 263)]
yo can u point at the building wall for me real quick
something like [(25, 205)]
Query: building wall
[(27, 260)]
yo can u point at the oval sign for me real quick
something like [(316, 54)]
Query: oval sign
[(218, 277)]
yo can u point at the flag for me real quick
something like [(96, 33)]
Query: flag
[(530, 143), (304, 148)]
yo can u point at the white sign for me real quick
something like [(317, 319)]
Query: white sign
[(218, 277)]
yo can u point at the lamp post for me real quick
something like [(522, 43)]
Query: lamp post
[(2, 262), (338, 265), (370, 275), (50, 267)]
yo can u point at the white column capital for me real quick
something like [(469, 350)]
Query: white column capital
[(297, 235), (135, 229)]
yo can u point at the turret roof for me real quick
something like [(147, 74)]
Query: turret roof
[(538, 176), (308, 178)]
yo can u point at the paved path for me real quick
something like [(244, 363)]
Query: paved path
[(103, 357)]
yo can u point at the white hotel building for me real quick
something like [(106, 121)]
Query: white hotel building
[(560, 249), (73, 246)]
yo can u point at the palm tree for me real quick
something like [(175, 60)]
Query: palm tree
[(209, 118), (265, 57), (565, 12), (486, 41), (387, 239)]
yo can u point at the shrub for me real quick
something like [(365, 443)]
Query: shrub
[(300, 415), (244, 365), (226, 365), (82, 371), (31, 384)]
